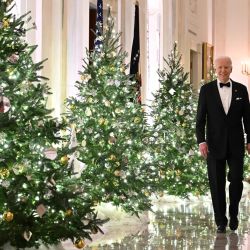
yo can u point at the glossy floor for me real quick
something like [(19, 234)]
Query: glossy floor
[(184, 225), (174, 224)]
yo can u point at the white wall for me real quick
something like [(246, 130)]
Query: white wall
[(231, 33), (190, 24)]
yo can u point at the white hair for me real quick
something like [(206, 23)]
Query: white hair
[(223, 58)]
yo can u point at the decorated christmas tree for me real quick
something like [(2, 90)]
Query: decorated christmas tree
[(41, 199), (182, 169), (111, 128), (247, 167)]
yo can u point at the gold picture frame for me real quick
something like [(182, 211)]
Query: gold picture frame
[(207, 61)]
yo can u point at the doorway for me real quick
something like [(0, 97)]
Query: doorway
[(194, 78)]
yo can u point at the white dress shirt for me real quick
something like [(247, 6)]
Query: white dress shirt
[(225, 95)]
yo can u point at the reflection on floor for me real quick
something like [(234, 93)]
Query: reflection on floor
[(184, 225), (174, 224)]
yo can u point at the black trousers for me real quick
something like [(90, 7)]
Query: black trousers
[(217, 181)]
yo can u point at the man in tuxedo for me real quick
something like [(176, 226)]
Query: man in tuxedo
[(223, 109)]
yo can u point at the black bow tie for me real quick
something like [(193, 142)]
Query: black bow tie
[(225, 84)]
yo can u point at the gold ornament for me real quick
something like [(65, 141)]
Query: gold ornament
[(101, 71), (19, 168), (123, 68), (112, 157), (72, 107), (80, 243), (162, 226), (137, 120), (85, 77), (10, 70), (4, 173), (197, 193), (101, 121), (117, 173), (162, 173), (90, 100), (178, 172), (8, 216), (68, 212), (64, 160), (6, 23)]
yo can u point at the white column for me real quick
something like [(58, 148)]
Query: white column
[(167, 27), (143, 47), (76, 40), (154, 47), (47, 16), (183, 33), (248, 11), (119, 15), (52, 50), (128, 26), (33, 36)]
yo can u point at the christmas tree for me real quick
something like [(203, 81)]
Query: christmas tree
[(111, 128), (247, 167), (182, 169), (41, 200)]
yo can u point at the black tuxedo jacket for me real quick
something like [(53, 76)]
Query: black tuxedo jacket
[(223, 130)]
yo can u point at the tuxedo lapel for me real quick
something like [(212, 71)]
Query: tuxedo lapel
[(234, 94), (217, 98)]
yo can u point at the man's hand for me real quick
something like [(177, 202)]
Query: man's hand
[(204, 149), (248, 148)]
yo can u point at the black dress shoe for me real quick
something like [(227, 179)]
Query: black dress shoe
[(221, 229), (233, 223)]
